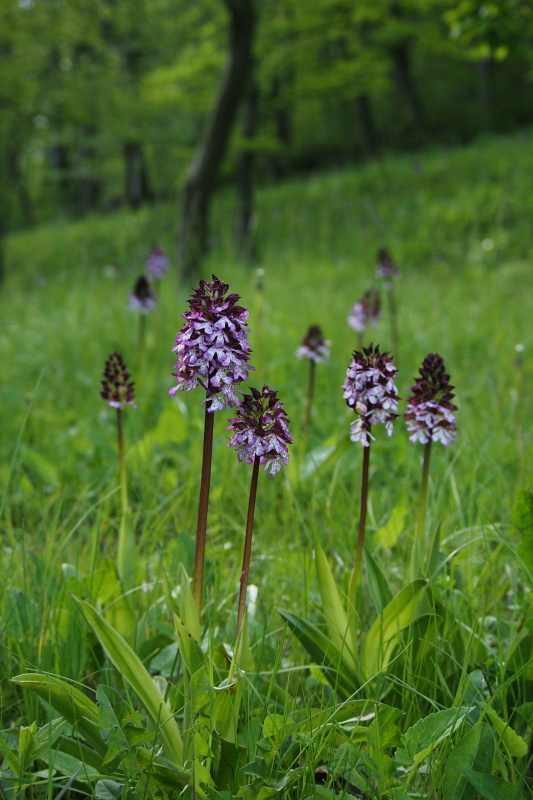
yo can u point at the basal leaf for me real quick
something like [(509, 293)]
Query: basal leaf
[(339, 626), (133, 671), (384, 635), (491, 787), (474, 751)]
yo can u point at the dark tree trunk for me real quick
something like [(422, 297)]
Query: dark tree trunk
[(246, 177), (204, 169), (367, 130), (401, 59), (135, 178), (277, 162)]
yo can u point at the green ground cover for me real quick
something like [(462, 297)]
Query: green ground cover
[(455, 691)]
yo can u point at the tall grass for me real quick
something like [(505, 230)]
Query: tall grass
[(458, 224)]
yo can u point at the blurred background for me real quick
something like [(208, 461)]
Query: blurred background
[(104, 103)]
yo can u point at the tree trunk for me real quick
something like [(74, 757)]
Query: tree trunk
[(135, 178), (367, 130), (277, 162), (246, 177), (204, 169), (401, 58)]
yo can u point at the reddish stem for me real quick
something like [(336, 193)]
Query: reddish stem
[(201, 529), (247, 544)]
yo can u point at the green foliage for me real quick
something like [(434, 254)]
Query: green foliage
[(405, 688)]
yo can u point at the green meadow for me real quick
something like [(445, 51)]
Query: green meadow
[(426, 689)]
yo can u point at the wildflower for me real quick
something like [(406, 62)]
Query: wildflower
[(314, 346), (430, 412), (142, 296), (370, 390), (212, 346), (386, 268), (366, 311), (260, 430), (118, 390), (156, 263)]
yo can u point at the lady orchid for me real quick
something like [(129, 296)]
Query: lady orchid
[(212, 346), (260, 436)]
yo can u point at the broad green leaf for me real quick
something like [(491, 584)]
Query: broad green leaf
[(133, 671), (427, 733), (107, 789), (474, 751), (25, 753), (388, 534), (341, 630), (48, 736), (191, 652), (188, 612), (72, 704), (9, 757), (384, 635), (515, 746), (323, 653), (377, 582), (491, 787)]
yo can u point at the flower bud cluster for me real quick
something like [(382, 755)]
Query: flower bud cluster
[(261, 430), (369, 389), (156, 263), (142, 296), (117, 389), (386, 268), (430, 413), (314, 346), (366, 311)]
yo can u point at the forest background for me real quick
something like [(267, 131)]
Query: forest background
[(103, 103)]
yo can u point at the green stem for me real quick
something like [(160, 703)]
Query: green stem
[(423, 496), (201, 528), (247, 544), (141, 340), (393, 321), (362, 521), (310, 396), (125, 554)]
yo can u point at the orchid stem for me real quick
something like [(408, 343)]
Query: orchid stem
[(422, 503), (310, 396), (362, 524), (125, 554), (247, 544), (201, 529)]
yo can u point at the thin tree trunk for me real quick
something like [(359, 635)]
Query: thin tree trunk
[(135, 178), (204, 169), (401, 58), (367, 130), (277, 162), (246, 177)]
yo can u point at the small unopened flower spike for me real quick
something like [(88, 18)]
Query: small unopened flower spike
[(156, 263), (212, 347), (316, 349), (430, 412), (142, 296), (260, 430), (314, 346), (117, 389), (370, 390), (430, 417), (260, 436), (386, 268)]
